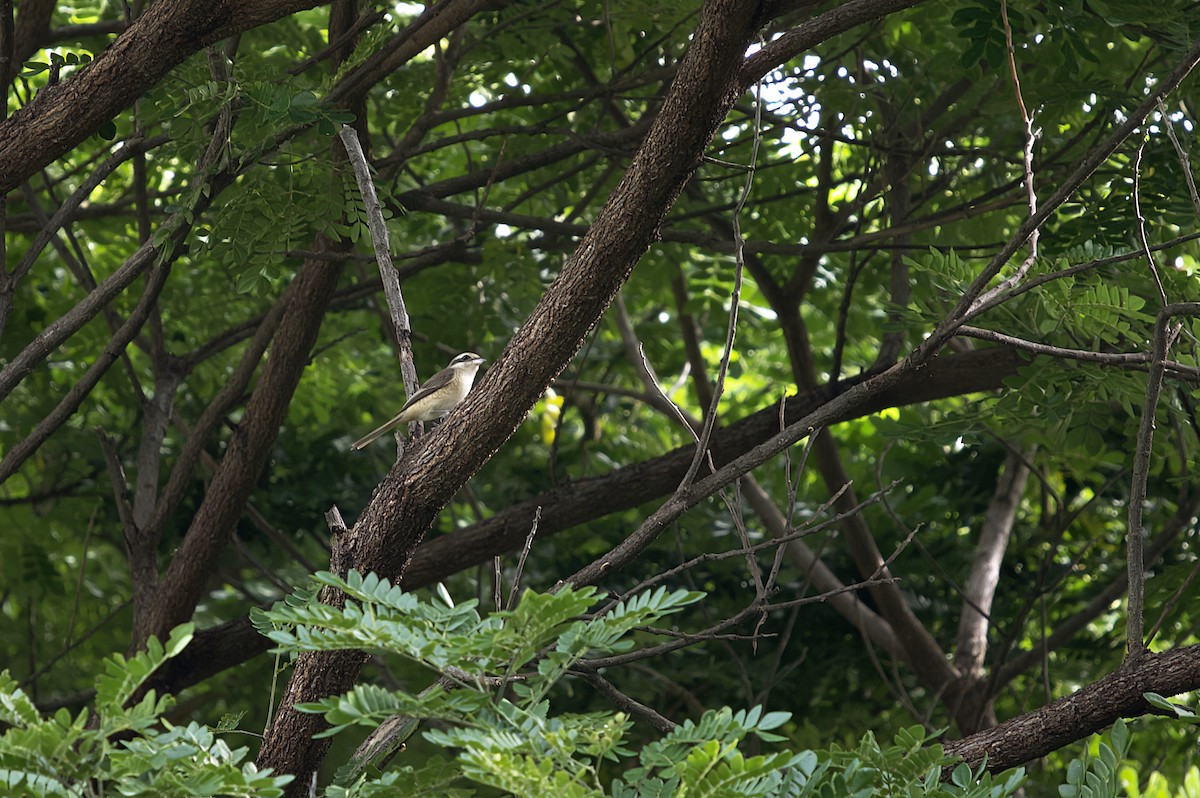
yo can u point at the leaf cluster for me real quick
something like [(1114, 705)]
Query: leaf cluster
[(126, 747), (496, 729)]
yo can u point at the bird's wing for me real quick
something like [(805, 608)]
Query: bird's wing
[(438, 380)]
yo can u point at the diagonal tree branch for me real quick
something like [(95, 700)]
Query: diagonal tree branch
[(440, 557), (1088, 710), (980, 587), (247, 453), (63, 115)]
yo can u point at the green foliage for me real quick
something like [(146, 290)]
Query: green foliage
[(495, 727), (454, 640), (1180, 712), (916, 104), (1097, 776), (63, 755)]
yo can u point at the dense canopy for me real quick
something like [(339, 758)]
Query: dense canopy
[(919, 278)]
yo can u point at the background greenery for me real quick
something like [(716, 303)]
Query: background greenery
[(891, 149)]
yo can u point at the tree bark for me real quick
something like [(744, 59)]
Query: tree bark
[(980, 589), (1086, 711), (63, 115), (249, 449)]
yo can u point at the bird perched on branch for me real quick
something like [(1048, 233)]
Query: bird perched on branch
[(435, 399)]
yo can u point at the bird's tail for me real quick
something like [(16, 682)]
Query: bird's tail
[(370, 437)]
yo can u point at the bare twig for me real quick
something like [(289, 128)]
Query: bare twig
[(129, 149), (635, 353), (783, 535), (120, 485), (1141, 220), (1171, 602), (716, 632), (971, 304), (605, 688), (1139, 360), (1079, 268), (71, 645), (498, 582), (516, 581), (346, 37), (257, 563), (383, 256), (1164, 335), (277, 537), (17, 455), (67, 324), (648, 531), (1184, 161), (1030, 192), (739, 243), (230, 394)]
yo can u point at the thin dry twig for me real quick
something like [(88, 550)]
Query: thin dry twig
[(1184, 161), (498, 582), (73, 644), (636, 353), (1079, 268), (717, 632), (120, 485), (1165, 333), (1031, 137), (1171, 602), (383, 256), (792, 488), (1137, 360), (1141, 220), (516, 583), (606, 688), (739, 251), (802, 532), (972, 302)]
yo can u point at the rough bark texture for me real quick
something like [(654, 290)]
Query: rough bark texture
[(61, 116), (32, 22), (389, 533), (248, 451), (1091, 709)]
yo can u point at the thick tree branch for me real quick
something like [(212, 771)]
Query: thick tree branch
[(247, 453), (1089, 710), (564, 508), (63, 115), (813, 32), (434, 24), (980, 587)]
